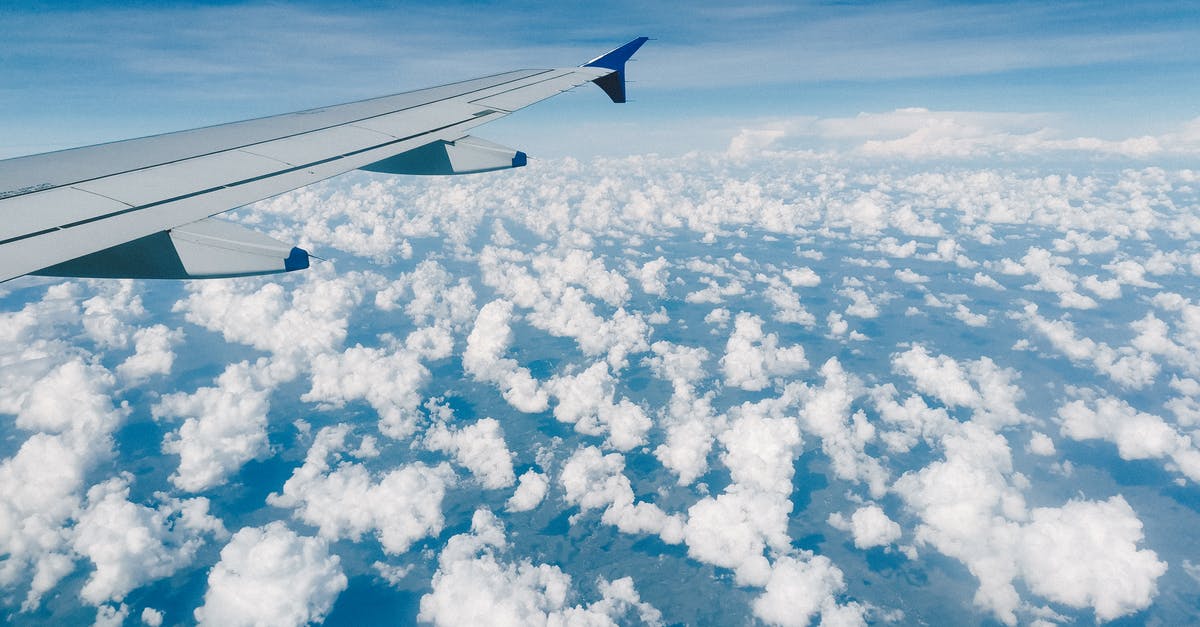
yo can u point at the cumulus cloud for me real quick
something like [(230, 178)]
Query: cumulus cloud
[(73, 414), (987, 389), (557, 292), (1126, 365), (107, 315), (752, 357), (593, 480), (587, 401), (131, 545), (345, 500), (389, 378), (531, 489), (224, 426), (653, 276), (734, 529), (475, 584), (483, 359), (972, 509), (689, 417), (1138, 435), (909, 276), (1085, 554), (271, 576), (869, 526), (480, 447), (800, 589), (431, 295), (294, 324), (153, 353)]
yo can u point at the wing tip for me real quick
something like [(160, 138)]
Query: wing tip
[(613, 84)]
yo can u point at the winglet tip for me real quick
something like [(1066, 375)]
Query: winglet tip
[(296, 260), (615, 59), (613, 84)]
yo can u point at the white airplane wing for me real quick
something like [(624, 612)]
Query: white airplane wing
[(143, 208)]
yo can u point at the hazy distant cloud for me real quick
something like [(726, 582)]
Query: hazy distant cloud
[(918, 133)]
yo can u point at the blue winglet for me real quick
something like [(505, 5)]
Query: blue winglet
[(296, 260), (614, 84)]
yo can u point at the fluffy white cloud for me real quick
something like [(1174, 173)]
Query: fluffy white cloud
[(981, 385), (343, 500), (786, 305), (939, 376), (689, 418), (653, 276), (1052, 276), (1041, 444), (484, 360), (271, 576), (224, 427), (593, 480), (752, 358), (531, 489), (1138, 435), (294, 324), (1085, 554), (475, 585), (860, 303), (802, 277), (479, 447), (151, 617), (431, 295), (869, 525), (907, 275), (153, 353), (131, 545), (586, 400), (389, 378), (106, 316), (734, 529), (826, 412), (799, 589), (972, 509), (41, 484), (1125, 365), (968, 317), (558, 295)]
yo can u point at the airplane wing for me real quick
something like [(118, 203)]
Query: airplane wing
[(143, 208)]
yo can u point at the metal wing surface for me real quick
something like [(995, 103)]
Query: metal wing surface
[(143, 207)]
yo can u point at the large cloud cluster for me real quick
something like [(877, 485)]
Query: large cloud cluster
[(667, 346)]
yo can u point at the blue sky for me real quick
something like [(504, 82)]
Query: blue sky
[(82, 72)]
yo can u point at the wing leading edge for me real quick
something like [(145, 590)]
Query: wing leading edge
[(143, 208)]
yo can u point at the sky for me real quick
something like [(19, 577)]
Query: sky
[(75, 73), (858, 313)]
